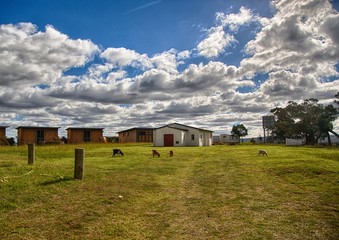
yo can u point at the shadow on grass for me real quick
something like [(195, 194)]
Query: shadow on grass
[(56, 181)]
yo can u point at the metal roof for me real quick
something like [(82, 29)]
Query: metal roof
[(183, 127), (38, 127)]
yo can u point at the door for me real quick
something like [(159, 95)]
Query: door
[(40, 136), (168, 140)]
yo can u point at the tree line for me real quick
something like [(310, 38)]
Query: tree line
[(310, 120)]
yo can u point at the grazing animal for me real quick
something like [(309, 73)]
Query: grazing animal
[(171, 153), (117, 152), (155, 153), (262, 152)]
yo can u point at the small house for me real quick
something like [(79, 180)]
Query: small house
[(3, 139), (136, 135), (38, 135), (176, 134), (85, 135), (3, 131)]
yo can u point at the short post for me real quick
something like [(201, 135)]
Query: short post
[(79, 163), (31, 153)]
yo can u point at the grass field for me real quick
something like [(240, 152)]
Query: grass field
[(217, 192)]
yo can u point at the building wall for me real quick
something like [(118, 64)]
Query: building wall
[(197, 140), (29, 135), (207, 138), (226, 138), (144, 135), (2, 132), (178, 136), (295, 142), (128, 136), (191, 137), (201, 137), (136, 135), (77, 135)]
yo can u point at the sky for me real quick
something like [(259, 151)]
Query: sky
[(119, 64)]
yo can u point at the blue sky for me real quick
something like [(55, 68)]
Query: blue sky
[(145, 26), (122, 64)]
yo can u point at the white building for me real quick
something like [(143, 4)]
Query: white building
[(227, 138), (295, 141), (176, 134)]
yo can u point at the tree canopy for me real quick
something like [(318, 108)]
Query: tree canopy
[(239, 130), (309, 120)]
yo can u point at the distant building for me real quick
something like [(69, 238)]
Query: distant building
[(226, 139), (3, 138), (38, 135), (136, 135), (3, 131), (85, 135), (295, 141), (176, 134)]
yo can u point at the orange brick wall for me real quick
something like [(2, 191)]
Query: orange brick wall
[(28, 135), (77, 135), (128, 136), (2, 132)]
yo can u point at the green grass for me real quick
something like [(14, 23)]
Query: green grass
[(218, 192)]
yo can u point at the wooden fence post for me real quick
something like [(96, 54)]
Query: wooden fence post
[(79, 163), (31, 153)]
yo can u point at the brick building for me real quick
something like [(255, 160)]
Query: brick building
[(38, 135), (85, 135), (3, 139), (136, 135)]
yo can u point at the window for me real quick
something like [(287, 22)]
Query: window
[(87, 136), (192, 137), (40, 136), (144, 135)]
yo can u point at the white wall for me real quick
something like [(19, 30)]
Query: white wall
[(178, 136), (226, 138), (182, 137), (295, 142)]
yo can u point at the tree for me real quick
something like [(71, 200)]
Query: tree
[(308, 119), (325, 122), (239, 130)]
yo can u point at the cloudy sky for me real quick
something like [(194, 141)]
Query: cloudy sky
[(119, 64)]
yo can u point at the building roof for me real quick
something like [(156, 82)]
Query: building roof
[(137, 128), (177, 128), (183, 127), (4, 126), (37, 127), (83, 128)]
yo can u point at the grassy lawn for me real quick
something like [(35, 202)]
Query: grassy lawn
[(218, 192)]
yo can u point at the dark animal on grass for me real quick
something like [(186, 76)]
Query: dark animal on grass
[(171, 153), (117, 152), (262, 152), (155, 153)]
